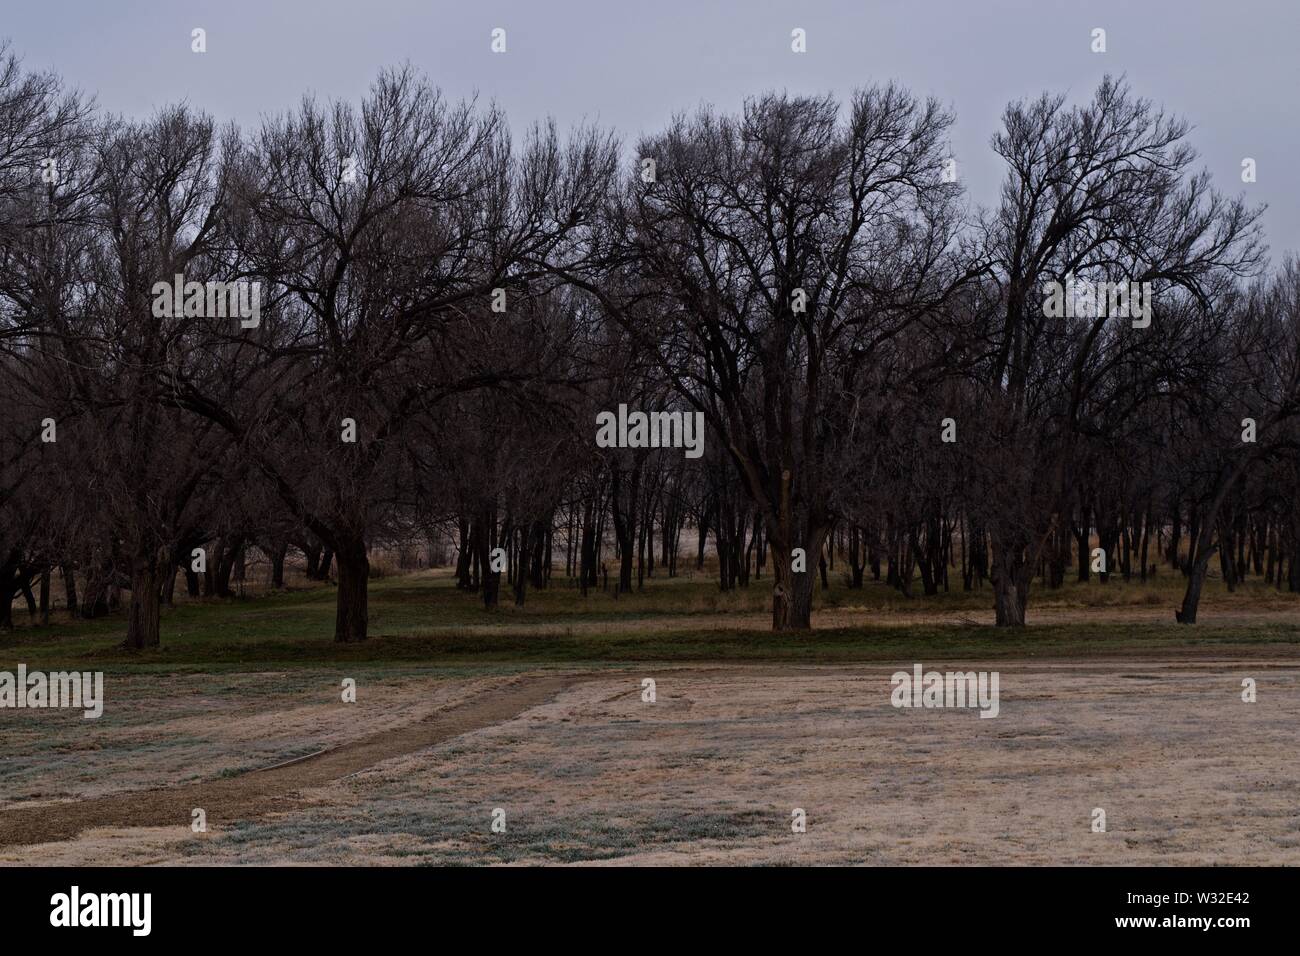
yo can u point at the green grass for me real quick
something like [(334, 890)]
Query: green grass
[(423, 618)]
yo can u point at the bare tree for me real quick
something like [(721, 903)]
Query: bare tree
[(766, 263), (1100, 192)]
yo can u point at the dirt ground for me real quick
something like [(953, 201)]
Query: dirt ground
[(583, 770)]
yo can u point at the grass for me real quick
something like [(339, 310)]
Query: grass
[(422, 618), (458, 834)]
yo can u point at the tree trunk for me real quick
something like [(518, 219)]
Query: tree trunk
[(704, 536), (485, 535), (856, 563), (1192, 596), (8, 588), (1010, 576), (69, 588), (277, 564), (352, 609), (792, 591), (143, 621), (463, 556), (169, 584), (25, 585), (1204, 551), (312, 554), (45, 597)]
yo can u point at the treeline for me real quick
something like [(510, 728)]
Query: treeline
[(362, 325)]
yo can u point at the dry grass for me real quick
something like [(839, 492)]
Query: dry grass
[(1186, 772)]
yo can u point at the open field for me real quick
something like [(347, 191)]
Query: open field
[(1105, 703)]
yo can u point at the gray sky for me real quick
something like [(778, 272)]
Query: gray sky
[(1228, 66)]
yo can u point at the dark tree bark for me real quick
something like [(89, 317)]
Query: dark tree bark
[(144, 611), (351, 615)]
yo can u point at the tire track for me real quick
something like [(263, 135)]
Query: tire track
[(257, 793)]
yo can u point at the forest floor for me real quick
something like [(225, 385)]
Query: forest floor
[(539, 714)]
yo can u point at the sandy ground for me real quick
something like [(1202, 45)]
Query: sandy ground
[(584, 771)]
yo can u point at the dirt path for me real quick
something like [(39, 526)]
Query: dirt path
[(255, 794)]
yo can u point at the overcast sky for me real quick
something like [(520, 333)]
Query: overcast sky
[(1230, 66)]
